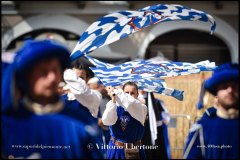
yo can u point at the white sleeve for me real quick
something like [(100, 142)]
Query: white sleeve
[(87, 97), (90, 99), (133, 106), (110, 114), (76, 84)]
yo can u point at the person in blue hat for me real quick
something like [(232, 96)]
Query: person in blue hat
[(217, 137), (126, 116), (32, 122)]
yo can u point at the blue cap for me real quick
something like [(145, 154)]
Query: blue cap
[(33, 52), (222, 74), (36, 51)]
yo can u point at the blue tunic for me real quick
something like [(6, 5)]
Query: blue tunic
[(127, 130), (51, 135), (7, 87), (5, 65), (220, 136), (77, 111), (210, 112)]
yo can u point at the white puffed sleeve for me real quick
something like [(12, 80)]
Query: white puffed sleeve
[(110, 114), (87, 97), (133, 106)]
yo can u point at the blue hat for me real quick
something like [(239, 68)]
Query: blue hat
[(33, 52), (224, 73), (36, 51)]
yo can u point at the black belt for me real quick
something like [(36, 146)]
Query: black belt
[(125, 145)]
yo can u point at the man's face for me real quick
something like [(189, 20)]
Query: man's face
[(44, 78), (227, 95), (81, 73), (132, 90)]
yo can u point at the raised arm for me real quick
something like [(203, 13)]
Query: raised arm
[(133, 106), (87, 97), (110, 114)]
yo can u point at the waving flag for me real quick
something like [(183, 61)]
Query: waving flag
[(98, 63), (169, 69), (147, 78), (149, 85), (146, 73), (115, 26), (150, 68)]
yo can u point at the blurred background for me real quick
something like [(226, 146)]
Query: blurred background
[(184, 41)]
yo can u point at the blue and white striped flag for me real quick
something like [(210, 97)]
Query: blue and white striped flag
[(169, 69), (151, 68), (98, 63), (146, 78), (115, 26)]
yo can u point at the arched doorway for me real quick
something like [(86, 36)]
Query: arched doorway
[(45, 21), (189, 46), (63, 36), (66, 28), (224, 32)]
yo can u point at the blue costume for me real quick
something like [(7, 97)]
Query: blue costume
[(216, 136), (220, 141), (4, 67), (7, 59), (6, 76), (50, 135), (6, 88), (210, 112), (125, 117), (127, 130), (77, 111)]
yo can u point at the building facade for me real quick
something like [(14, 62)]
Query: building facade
[(178, 41), (186, 41)]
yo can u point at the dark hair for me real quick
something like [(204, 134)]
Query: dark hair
[(78, 65), (131, 84)]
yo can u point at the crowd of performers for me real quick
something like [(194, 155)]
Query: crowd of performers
[(54, 108)]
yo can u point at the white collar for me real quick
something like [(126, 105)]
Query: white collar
[(227, 114), (40, 109)]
